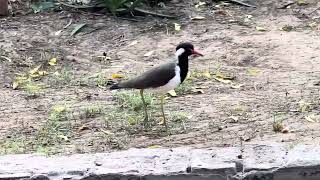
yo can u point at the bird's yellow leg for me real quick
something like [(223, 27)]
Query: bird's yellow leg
[(163, 115), (146, 119)]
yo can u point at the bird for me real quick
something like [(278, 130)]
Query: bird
[(162, 78)]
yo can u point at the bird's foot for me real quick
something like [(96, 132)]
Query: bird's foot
[(164, 122), (146, 122)]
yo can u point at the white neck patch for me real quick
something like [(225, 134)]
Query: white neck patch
[(179, 52)]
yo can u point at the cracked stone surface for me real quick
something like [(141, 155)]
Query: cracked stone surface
[(268, 162)]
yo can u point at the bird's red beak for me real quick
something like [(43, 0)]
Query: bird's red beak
[(196, 53)]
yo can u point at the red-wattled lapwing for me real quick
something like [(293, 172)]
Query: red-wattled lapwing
[(163, 78)]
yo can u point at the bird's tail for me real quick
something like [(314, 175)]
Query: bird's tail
[(115, 86)]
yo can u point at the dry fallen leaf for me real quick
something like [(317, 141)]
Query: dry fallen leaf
[(199, 4), (177, 27), (206, 74), (161, 122), (34, 70), (226, 81), (303, 105), (253, 71), (237, 86), (83, 127), (52, 62), (148, 53), (154, 146), (133, 43), (259, 28), (198, 91), (59, 109), (313, 24), (311, 118), (198, 18), (172, 93), (117, 76), (15, 85)]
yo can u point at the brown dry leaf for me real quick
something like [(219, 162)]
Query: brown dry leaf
[(117, 76), (83, 127), (161, 122), (198, 91)]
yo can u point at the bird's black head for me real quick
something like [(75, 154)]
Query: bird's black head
[(186, 49)]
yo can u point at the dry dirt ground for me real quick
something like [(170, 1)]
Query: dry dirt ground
[(269, 78)]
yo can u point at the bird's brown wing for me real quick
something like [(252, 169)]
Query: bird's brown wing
[(152, 78)]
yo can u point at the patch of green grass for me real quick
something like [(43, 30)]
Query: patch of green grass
[(277, 125), (132, 100), (92, 110), (13, 146), (54, 130), (61, 78), (185, 87)]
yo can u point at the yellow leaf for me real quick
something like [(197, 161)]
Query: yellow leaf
[(303, 105), (172, 93), (199, 4), (198, 18), (259, 28), (132, 121), (154, 146), (148, 54), (52, 62), (34, 70), (59, 109), (106, 132), (15, 85), (117, 76), (42, 73), (226, 81), (237, 86), (253, 71), (206, 74), (311, 118), (177, 26), (220, 75), (313, 24)]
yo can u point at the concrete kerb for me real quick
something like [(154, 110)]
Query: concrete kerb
[(268, 162)]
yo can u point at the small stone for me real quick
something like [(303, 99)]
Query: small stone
[(97, 163), (39, 177)]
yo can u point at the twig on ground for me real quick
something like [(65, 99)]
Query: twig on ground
[(241, 3)]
